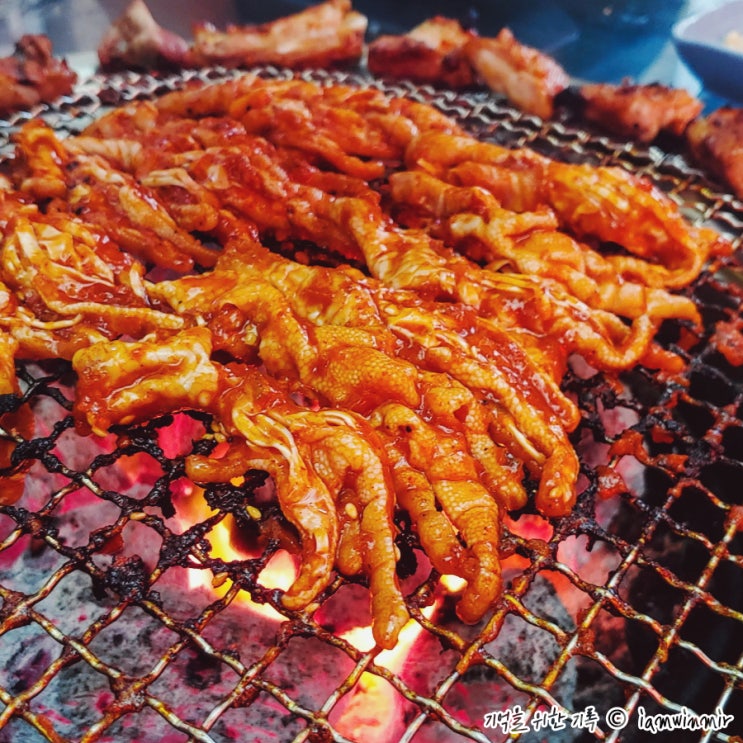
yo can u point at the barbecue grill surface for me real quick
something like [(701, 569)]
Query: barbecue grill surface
[(635, 600)]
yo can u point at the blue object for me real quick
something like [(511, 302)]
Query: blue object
[(700, 42)]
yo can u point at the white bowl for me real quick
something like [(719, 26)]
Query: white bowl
[(701, 42)]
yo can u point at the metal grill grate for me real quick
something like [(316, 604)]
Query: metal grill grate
[(634, 601)]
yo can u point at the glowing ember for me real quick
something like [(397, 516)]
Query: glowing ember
[(373, 711), (280, 571), (530, 526), (453, 583), (361, 638)]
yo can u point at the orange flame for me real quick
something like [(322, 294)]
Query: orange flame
[(373, 711), (280, 571)]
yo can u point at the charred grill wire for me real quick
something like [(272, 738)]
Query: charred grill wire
[(633, 601)]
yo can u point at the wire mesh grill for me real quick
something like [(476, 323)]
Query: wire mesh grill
[(631, 606)]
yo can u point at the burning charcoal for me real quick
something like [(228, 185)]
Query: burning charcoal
[(528, 652), (718, 636)]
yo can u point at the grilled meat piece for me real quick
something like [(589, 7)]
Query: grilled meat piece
[(432, 52), (32, 75), (716, 143), (639, 112), (324, 35), (137, 41), (529, 78)]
